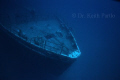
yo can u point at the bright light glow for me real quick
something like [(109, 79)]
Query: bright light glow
[(75, 54)]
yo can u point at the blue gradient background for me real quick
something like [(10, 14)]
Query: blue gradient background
[(98, 39)]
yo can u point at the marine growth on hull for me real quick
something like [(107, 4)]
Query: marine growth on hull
[(46, 32)]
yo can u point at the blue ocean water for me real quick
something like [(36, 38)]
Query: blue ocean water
[(96, 26)]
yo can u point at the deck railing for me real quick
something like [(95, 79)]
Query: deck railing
[(57, 48), (44, 44)]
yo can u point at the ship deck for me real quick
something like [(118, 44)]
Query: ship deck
[(49, 33)]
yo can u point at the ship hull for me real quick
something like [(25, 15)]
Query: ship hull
[(55, 64)]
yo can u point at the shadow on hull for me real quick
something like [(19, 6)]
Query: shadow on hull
[(20, 61), (117, 0)]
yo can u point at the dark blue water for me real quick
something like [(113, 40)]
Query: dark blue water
[(96, 26)]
